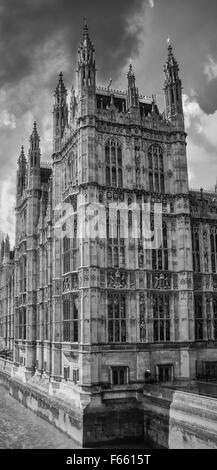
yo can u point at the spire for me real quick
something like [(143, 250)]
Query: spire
[(85, 31), (34, 159), (86, 64), (133, 94), (34, 150), (60, 90), (130, 71), (21, 173), (21, 158), (171, 67), (173, 87), (60, 112), (34, 137), (86, 38)]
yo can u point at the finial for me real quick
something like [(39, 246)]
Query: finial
[(130, 71), (22, 151), (85, 28), (21, 157), (60, 88), (34, 134), (170, 49)]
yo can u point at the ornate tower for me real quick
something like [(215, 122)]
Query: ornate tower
[(60, 113), (32, 214), (86, 75), (173, 89)]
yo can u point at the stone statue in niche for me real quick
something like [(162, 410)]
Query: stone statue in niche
[(67, 284), (75, 281)]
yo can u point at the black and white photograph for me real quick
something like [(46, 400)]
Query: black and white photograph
[(108, 230)]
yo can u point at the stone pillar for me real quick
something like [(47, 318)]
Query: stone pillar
[(184, 364)]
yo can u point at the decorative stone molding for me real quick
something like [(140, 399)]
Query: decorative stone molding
[(117, 279), (161, 281)]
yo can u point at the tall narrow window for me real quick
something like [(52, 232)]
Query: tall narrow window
[(213, 244), (66, 254), (113, 162), (23, 273), (70, 319), (198, 316), (161, 316), (46, 323), (22, 323), (116, 318), (156, 169), (115, 238), (196, 249), (160, 256)]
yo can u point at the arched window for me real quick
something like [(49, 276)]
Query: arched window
[(113, 161), (156, 169)]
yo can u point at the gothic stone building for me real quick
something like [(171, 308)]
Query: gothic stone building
[(91, 314)]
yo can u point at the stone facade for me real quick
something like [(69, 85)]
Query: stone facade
[(86, 314)]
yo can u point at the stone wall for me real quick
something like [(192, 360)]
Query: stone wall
[(116, 422), (176, 419), (113, 420), (65, 418)]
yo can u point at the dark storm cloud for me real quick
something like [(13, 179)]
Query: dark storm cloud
[(26, 25), (207, 93)]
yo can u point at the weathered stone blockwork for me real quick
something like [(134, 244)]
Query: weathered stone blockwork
[(174, 419)]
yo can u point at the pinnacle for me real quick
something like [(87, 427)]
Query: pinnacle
[(34, 134), (171, 61), (85, 30), (22, 155), (130, 71), (86, 41), (60, 88)]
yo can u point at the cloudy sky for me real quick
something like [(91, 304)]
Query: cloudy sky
[(39, 38)]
